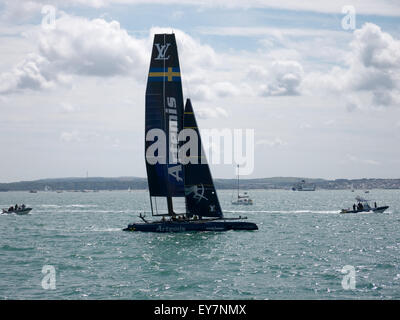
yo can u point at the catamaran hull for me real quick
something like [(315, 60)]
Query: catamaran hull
[(375, 210), (191, 226)]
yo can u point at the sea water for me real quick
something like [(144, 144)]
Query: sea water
[(71, 246)]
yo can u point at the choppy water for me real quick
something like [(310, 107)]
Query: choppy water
[(298, 252)]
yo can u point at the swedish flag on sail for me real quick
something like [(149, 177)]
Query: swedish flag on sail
[(164, 74)]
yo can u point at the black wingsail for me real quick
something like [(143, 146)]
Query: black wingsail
[(201, 196), (164, 113)]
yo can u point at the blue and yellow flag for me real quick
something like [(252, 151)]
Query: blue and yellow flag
[(164, 74)]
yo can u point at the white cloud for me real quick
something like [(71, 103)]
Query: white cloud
[(91, 47), (355, 159), (178, 14), (20, 11), (31, 73), (329, 122), (73, 136), (211, 113), (277, 142), (89, 138), (372, 77), (305, 125), (83, 47), (68, 107), (375, 48), (276, 33), (280, 78), (383, 7), (77, 46)]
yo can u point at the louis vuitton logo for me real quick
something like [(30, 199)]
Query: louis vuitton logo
[(162, 50)]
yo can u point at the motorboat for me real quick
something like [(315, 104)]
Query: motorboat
[(19, 211), (364, 206)]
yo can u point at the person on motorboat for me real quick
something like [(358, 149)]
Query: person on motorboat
[(10, 209), (354, 207)]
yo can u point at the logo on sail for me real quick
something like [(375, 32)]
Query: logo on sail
[(165, 74), (198, 192), (162, 50)]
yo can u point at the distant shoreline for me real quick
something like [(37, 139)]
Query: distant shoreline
[(134, 183)]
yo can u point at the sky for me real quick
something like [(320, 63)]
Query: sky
[(318, 82)]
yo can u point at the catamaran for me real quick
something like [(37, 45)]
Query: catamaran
[(169, 179), (242, 199)]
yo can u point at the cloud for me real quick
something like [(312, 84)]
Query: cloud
[(354, 159), (68, 107), (31, 73), (305, 125), (20, 11), (374, 61), (96, 48), (277, 142), (91, 47), (383, 7), (371, 78), (178, 14), (89, 138), (280, 78), (77, 46), (73, 136), (375, 48), (211, 113)]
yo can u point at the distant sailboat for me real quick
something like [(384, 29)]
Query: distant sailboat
[(171, 181), (242, 199)]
